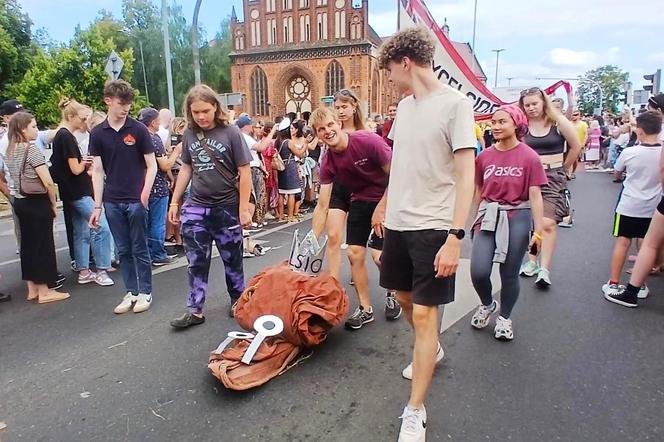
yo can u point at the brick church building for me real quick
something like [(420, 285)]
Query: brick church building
[(289, 54)]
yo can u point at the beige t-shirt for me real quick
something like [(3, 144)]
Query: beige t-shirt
[(426, 133)]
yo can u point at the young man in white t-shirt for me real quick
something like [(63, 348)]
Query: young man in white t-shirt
[(641, 194), (428, 201)]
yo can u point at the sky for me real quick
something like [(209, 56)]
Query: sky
[(541, 38)]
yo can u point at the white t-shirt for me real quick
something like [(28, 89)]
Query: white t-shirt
[(251, 143), (642, 188), (163, 134), (426, 133)]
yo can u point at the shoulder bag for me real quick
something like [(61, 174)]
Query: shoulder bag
[(29, 186), (278, 162), (221, 168)]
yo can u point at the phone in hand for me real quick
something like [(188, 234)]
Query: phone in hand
[(176, 139)]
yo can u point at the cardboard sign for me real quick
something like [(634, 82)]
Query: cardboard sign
[(307, 256)]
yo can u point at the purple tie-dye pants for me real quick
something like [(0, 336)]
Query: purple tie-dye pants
[(200, 226)]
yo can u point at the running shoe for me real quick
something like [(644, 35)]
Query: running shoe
[(413, 425), (503, 330), (143, 302), (623, 298), (187, 320), (84, 279), (529, 269), (392, 308), (612, 289), (543, 279), (407, 372), (483, 314), (359, 318), (126, 304), (163, 262), (644, 292), (103, 279)]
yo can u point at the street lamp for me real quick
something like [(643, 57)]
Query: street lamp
[(167, 56), (497, 51)]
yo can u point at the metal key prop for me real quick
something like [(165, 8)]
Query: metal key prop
[(265, 326)]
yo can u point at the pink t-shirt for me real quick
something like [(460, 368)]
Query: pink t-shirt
[(359, 167), (506, 176), (595, 136)]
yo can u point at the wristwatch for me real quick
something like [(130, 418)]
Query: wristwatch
[(459, 233)]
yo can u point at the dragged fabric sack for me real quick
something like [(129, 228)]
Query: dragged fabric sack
[(309, 308)]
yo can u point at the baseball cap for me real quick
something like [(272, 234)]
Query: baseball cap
[(148, 115), (10, 107), (244, 120)]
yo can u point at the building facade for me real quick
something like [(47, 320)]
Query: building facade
[(290, 54)]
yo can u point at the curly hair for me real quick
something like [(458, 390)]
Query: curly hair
[(415, 43)]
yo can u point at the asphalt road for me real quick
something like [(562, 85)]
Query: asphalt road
[(580, 369)]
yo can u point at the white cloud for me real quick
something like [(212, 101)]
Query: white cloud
[(570, 57)]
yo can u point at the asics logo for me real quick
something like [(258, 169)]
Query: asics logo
[(493, 170)]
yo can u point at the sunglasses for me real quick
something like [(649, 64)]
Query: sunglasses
[(346, 93), (532, 90), (653, 103)]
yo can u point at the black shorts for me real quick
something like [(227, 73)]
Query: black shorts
[(358, 227), (340, 198), (407, 264), (660, 207), (630, 227)]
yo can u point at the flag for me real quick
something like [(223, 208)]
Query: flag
[(449, 66)]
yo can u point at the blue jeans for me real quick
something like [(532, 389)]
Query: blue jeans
[(157, 211), (84, 235), (129, 225)]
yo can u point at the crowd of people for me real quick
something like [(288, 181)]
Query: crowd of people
[(137, 192)]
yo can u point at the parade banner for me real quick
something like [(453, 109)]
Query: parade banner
[(448, 64)]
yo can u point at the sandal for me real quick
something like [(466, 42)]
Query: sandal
[(52, 296)]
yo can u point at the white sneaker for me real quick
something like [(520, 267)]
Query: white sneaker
[(126, 303), (644, 292), (503, 329), (612, 289), (84, 279), (407, 372), (103, 279), (529, 268), (543, 278), (413, 425), (483, 314), (143, 302)]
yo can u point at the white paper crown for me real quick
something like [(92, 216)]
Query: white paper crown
[(307, 256)]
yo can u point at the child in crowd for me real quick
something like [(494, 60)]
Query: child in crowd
[(642, 191)]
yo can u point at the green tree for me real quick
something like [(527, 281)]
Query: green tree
[(612, 81), (16, 48), (75, 71), (215, 62)]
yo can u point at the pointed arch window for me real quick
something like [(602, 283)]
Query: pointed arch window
[(259, 92), (334, 78)]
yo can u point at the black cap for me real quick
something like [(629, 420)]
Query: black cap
[(148, 115), (10, 107)]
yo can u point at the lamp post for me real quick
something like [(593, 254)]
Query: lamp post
[(474, 26), (497, 51), (167, 56)]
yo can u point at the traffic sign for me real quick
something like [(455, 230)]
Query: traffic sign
[(114, 65), (327, 99)]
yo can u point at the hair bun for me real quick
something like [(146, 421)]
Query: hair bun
[(64, 102)]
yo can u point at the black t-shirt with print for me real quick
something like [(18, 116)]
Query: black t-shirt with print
[(209, 187), (72, 187)]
